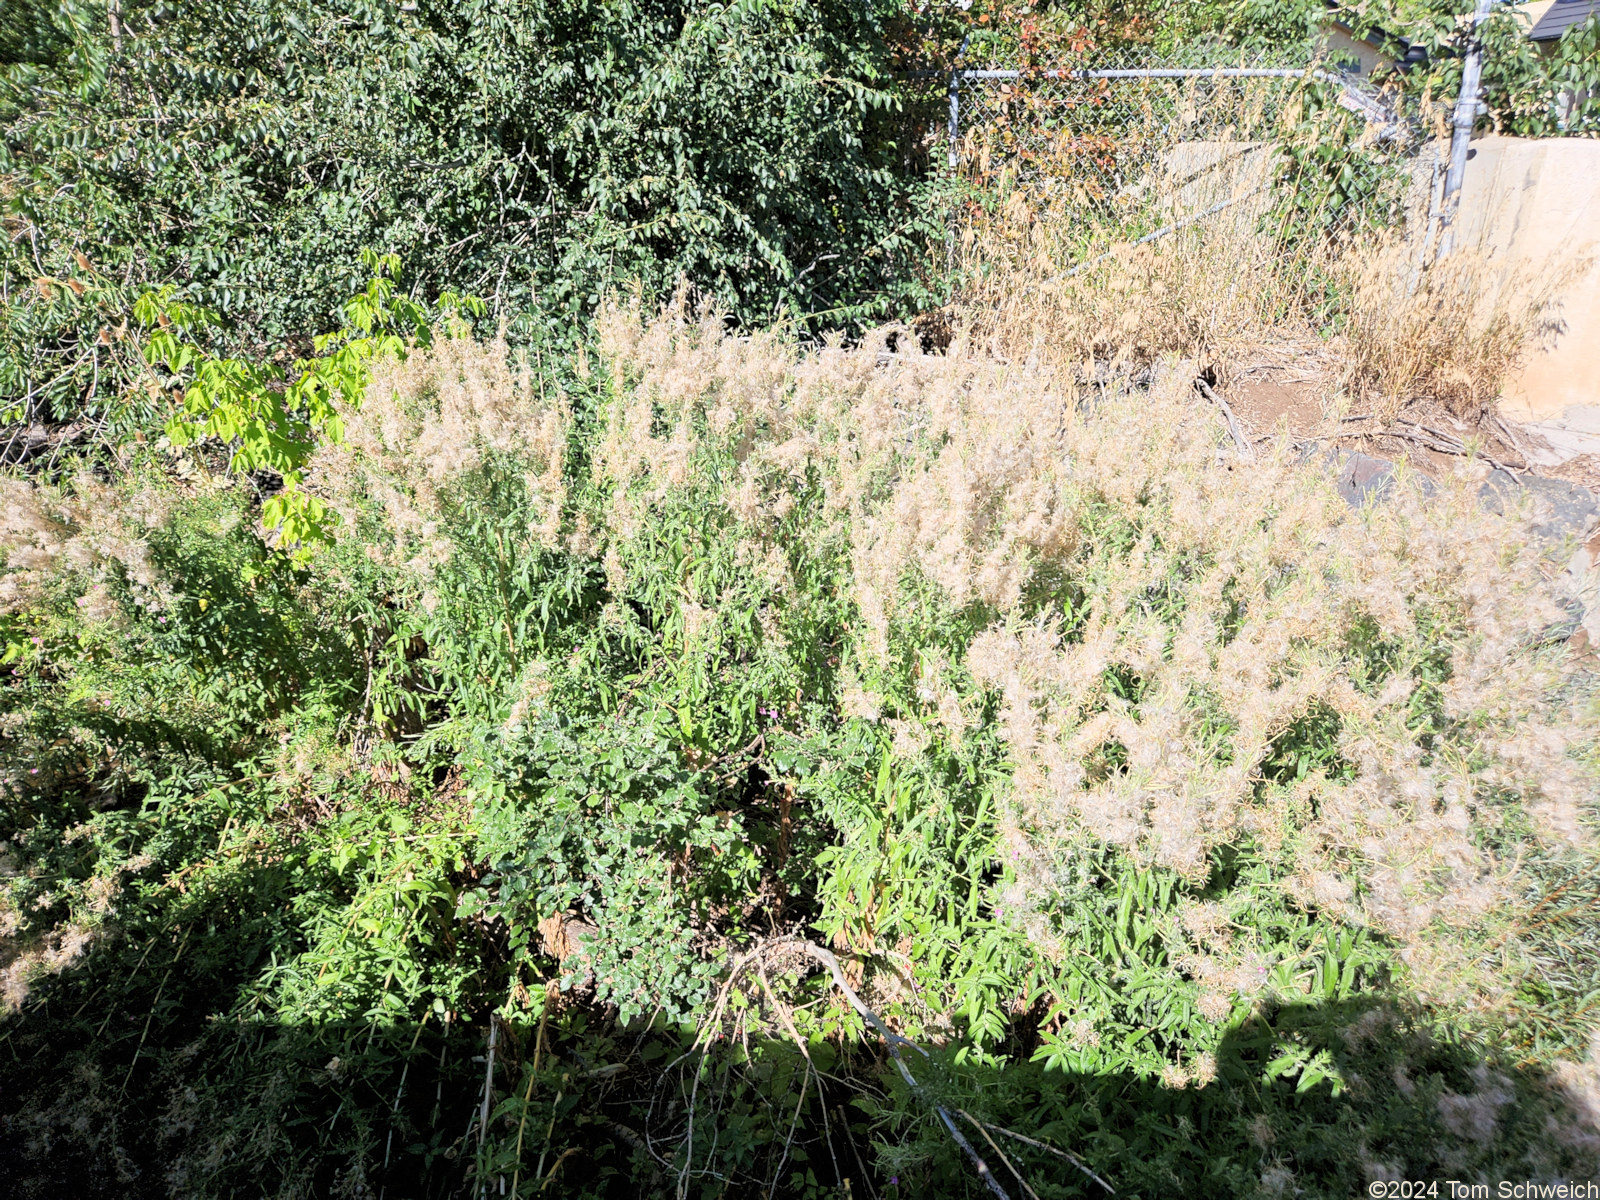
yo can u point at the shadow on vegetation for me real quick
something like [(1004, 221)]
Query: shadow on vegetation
[(150, 1068)]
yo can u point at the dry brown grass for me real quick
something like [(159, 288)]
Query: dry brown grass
[(1448, 335), (1203, 293), (1052, 277), (1224, 294)]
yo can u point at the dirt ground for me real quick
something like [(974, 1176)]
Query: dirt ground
[(1282, 393)]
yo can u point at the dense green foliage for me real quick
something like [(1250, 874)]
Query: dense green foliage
[(283, 840), (1527, 91), (535, 154), (410, 732)]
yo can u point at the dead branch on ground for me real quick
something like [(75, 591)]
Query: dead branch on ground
[(1239, 439)]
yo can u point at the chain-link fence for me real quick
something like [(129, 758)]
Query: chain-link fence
[(1131, 152)]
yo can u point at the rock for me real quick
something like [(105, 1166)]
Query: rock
[(1361, 477), (1561, 510)]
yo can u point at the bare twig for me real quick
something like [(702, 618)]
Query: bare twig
[(556, 1166), (1514, 439), (488, 1078), (891, 1039), (707, 1036), (488, 1095), (977, 1162), (1010, 1166), (1239, 439), (894, 1041), (1445, 443), (788, 1142), (783, 1012), (1066, 1154)]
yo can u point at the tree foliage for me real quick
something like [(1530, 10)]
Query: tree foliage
[(532, 152), (1527, 91)]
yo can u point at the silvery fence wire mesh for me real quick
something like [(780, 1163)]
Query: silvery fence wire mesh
[(1119, 153)]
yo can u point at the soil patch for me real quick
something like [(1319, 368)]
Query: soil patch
[(1284, 396), (1267, 406)]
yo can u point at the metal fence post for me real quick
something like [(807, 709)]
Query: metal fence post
[(1466, 116), (954, 132), (955, 114)]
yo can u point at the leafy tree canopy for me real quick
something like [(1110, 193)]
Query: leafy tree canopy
[(535, 152)]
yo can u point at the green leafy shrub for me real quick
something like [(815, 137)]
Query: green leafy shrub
[(532, 154), (1529, 90)]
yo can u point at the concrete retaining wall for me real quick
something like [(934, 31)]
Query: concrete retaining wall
[(1533, 205)]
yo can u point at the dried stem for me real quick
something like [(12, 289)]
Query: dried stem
[(1239, 439), (1010, 1166), (892, 1040), (1056, 1150)]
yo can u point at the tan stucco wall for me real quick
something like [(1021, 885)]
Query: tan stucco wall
[(1532, 206), (1529, 14), (1344, 49)]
